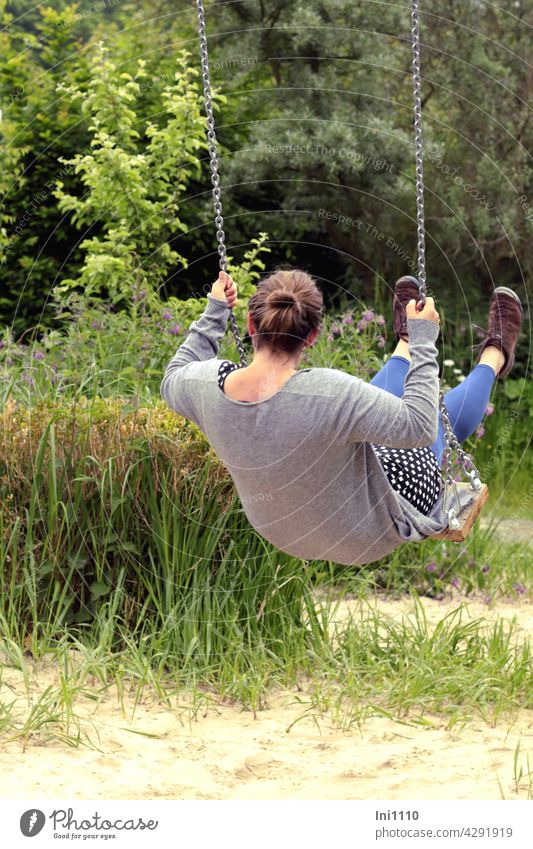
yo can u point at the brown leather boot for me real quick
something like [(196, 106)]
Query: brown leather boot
[(405, 289), (505, 323)]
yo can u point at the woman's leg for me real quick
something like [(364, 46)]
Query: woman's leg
[(466, 404), (392, 376)]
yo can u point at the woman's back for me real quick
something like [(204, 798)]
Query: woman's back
[(301, 460)]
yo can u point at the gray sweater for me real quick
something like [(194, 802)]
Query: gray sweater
[(302, 460)]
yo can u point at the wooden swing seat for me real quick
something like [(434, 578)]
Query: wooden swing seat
[(467, 516)]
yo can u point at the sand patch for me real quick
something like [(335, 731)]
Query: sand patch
[(280, 753)]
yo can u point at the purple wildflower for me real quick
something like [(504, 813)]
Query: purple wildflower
[(381, 343), (175, 329), (139, 295), (487, 599), (368, 316), (519, 588), (490, 409), (38, 355), (347, 319), (485, 569), (167, 316), (95, 325), (456, 583), (480, 432), (380, 320), (431, 567)]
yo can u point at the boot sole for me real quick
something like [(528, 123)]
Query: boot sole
[(405, 279), (504, 290)]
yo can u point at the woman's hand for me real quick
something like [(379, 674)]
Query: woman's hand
[(428, 311), (225, 289)]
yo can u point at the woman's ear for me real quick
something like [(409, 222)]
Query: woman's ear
[(311, 339), (250, 324)]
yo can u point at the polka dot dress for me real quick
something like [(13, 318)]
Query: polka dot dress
[(412, 472), (224, 369)]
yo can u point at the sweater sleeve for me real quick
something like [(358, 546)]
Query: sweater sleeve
[(201, 343), (367, 413)]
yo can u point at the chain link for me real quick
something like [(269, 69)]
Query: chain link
[(451, 443), (419, 157), (213, 162)]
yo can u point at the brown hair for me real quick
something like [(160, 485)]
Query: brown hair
[(285, 309)]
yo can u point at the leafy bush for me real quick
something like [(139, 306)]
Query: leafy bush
[(132, 176)]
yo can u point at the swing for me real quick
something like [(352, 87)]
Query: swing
[(461, 516)]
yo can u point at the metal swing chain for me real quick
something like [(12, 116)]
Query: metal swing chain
[(451, 443), (419, 154), (213, 161)]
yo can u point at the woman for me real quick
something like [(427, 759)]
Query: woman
[(326, 465)]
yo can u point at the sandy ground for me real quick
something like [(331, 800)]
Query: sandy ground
[(512, 530), (229, 753)]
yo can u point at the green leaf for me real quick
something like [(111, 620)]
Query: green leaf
[(514, 388), (78, 560), (98, 589)]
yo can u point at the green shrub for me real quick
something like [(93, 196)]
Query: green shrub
[(119, 522)]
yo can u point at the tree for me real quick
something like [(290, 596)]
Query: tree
[(329, 158), (132, 177), (39, 126)]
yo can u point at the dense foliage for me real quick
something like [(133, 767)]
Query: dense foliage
[(102, 166)]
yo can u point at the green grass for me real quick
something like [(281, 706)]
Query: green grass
[(460, 668), (365, 664), (123, 545)]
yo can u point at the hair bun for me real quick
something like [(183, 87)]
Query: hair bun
[(281, 299)]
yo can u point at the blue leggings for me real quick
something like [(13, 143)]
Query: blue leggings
[(466, 403)]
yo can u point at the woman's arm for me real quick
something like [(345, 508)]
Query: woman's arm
[(201, 343), (366, 413)]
